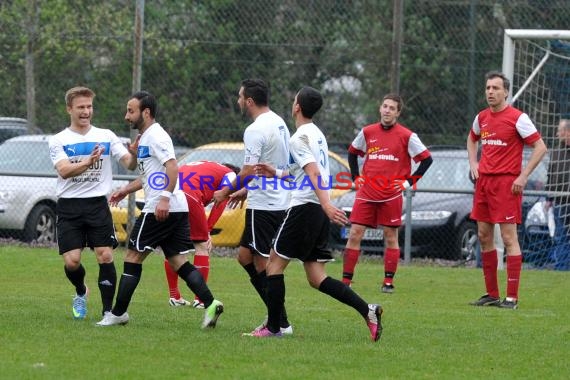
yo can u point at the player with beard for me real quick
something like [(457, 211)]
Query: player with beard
[(163, 221), (266, 139), (304, 232)]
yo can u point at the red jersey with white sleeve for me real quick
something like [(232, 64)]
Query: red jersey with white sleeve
[(388, 160), (503, 135), (198, 181)]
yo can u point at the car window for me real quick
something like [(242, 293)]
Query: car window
[(337, 167), (25, 157), (447, 173), (230, 156), (538, 177), (9, 132), (33, 157)]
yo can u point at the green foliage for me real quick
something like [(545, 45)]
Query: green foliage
[(195, 53), (430, 331)]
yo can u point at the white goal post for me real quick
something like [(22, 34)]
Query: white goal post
[(537, 63), (511, 35)]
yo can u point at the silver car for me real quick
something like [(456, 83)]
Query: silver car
[(27, 188)]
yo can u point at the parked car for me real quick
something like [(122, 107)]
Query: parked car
[(27, 194), (535, 238), (441, 226), (14, 126), (229, 228)]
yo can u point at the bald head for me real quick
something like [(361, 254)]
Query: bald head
[(563, 132)]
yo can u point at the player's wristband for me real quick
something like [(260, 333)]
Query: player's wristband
[(166, 194), (279, 173)]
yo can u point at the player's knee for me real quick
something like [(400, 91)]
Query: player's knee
[(72, 259), (314, 282), (72, 263), (485, 237), (104, 255), (355, 235)]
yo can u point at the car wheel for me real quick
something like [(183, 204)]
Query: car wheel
[(466, 241), (40, 225)]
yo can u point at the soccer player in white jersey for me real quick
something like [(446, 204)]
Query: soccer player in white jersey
[(304, 233), (164, 219), (266, 140), (388, 148), (81, 154)]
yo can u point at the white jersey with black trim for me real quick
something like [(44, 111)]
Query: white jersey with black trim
[(308, 145), (97, 180), (266, 141), (155, 148)]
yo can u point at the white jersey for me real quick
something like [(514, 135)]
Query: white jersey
[(97, 180), (266, 141), (155, 148), (308, 145)]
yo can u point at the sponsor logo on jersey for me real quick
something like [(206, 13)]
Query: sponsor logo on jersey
[(85, 148), (143, 151), (384, 157), (494, 142)]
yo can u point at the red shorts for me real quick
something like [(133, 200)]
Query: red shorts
[(494, 201), (197, 218), (374, 214)]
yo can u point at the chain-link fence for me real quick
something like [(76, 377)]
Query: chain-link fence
[(196, 52)]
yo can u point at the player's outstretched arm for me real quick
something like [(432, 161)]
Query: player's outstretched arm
[(121, 193)]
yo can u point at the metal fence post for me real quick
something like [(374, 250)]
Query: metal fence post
[(136, 86), (408, 226)]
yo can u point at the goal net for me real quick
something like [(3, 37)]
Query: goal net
[(538, 64)]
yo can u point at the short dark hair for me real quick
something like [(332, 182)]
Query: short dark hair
[(498, 74), (147, 100), (310, 101), (395, 97), (232, 167), (257, 90)]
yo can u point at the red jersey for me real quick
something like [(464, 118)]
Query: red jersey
[(503, 135), (200, 179), (388, 159)]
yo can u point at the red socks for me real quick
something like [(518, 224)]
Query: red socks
[(490, 262), (514, 267), (172, 279), (202, 263), (391, 259), (350, 258)]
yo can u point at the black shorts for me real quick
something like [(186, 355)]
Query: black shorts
[(260, 228), (172, 235), (304, 234), (84, 222)]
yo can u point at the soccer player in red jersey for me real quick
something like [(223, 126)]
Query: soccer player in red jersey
[(389, 148), (199, 180), (503, 131)]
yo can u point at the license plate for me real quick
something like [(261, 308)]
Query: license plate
[(369, 234)]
